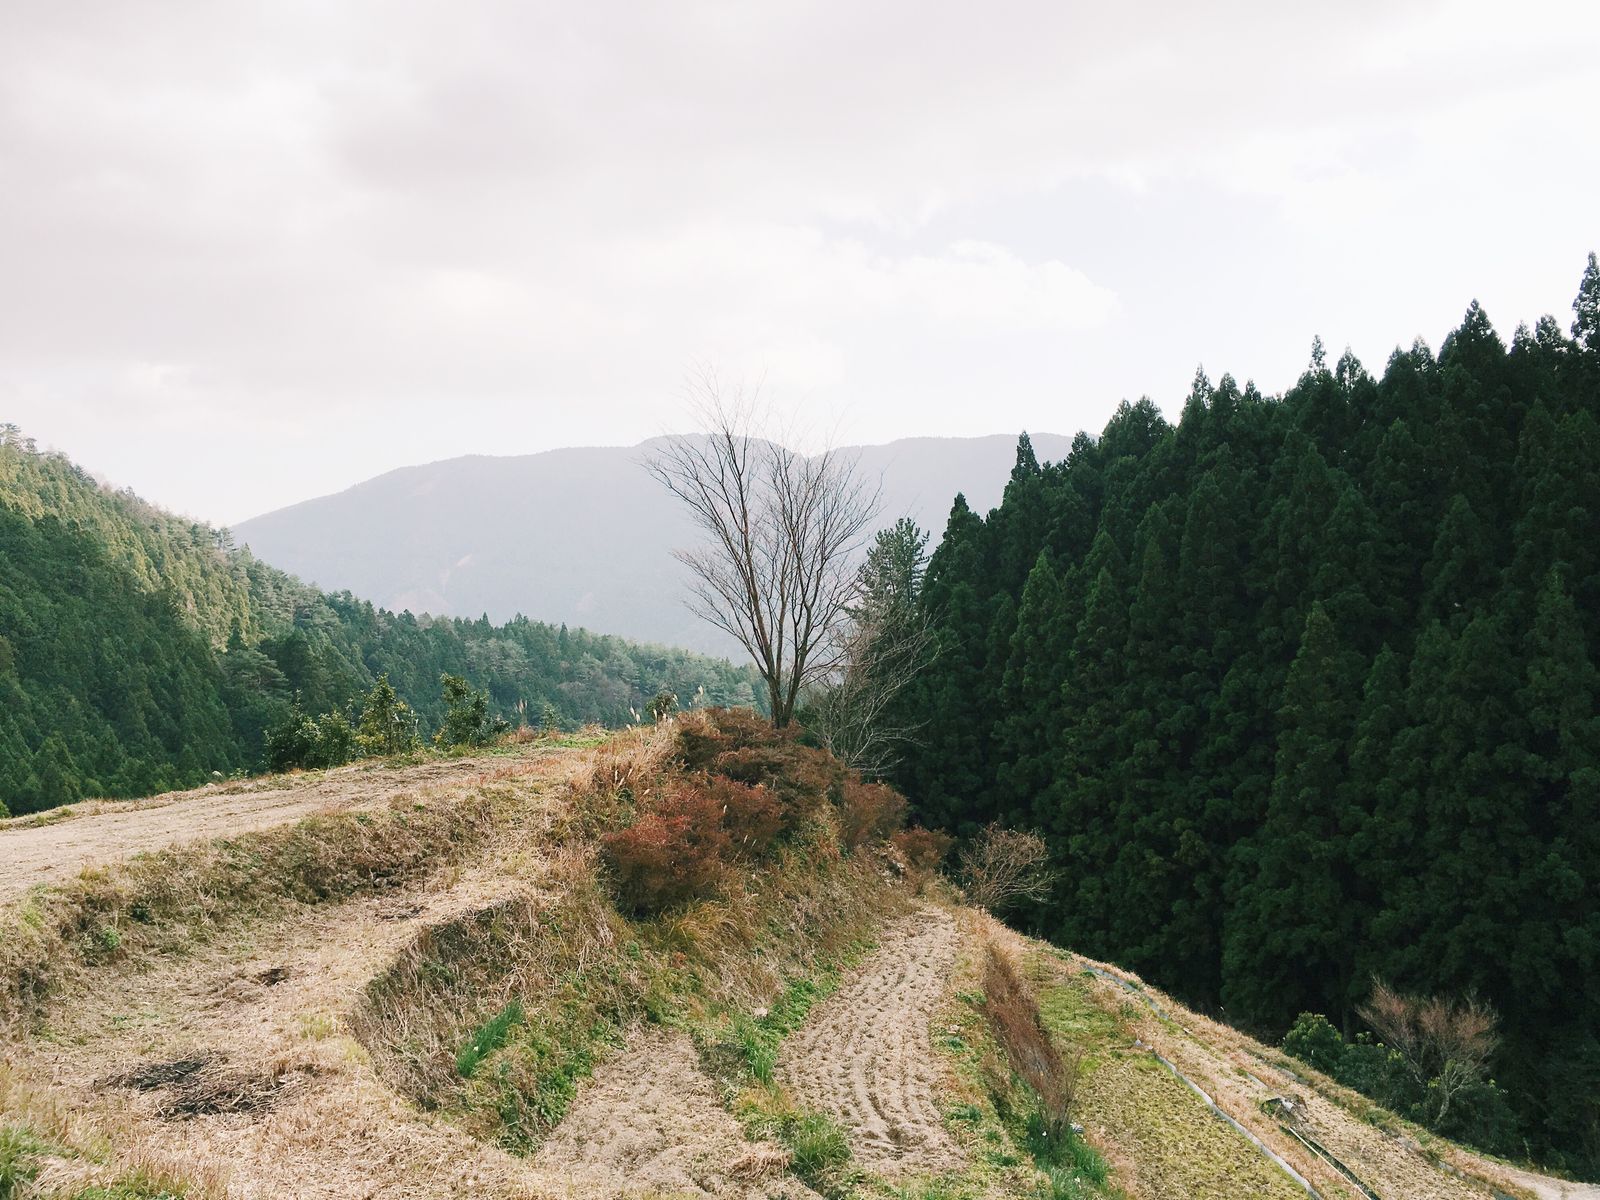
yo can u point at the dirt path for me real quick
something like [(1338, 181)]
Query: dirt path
[(1547, 1188), (650, 1123), (866, 1056), (109, 831)]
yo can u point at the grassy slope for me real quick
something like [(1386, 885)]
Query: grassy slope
[(494, 1017)]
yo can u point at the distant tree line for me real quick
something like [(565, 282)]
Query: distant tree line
[(140, 651), (1302, 693)]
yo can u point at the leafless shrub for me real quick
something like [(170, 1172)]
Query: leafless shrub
[(889, 641), (1013, 1014), (853, 716), (1001, 867), (1446, 1044)]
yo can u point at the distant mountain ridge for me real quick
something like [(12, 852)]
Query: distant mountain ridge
[(579, 536)]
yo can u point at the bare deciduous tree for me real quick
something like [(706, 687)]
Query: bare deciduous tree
[(852, 713), (782, 528), (889, 641), (1446, 1045), (1003, 866)]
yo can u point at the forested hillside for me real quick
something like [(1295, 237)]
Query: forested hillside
[(140, 651), (1303, 690)]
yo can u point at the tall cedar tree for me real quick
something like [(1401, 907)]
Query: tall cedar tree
[(1303, 690)]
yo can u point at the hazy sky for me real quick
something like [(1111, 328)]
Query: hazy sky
[(251, 253)]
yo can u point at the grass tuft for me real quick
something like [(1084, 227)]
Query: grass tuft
[(19, 1160), (491, 1035)]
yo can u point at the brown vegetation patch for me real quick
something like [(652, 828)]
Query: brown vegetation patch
[(1013, 1013), (167, 902), (198, 1086), (164, 1073)]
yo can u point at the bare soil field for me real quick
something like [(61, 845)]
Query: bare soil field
[(650, 1123), (865, 1055)]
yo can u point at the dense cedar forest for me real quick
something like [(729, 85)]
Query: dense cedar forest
[(140, 651), (1302, 690)]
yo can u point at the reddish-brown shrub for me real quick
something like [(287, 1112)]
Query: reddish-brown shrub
[(707, 732), (800, 777), (751, 814), (869, 812), (921, 849), (753, 764), (676, 852)]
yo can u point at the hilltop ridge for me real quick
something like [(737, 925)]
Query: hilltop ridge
[(579, 535)]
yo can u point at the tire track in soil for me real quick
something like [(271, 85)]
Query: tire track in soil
[(866, 1058)]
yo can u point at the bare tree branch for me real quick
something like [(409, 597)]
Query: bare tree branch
[(781, 529), (888, 641)]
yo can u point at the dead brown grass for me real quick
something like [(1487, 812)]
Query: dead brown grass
[(495, 1016), (1013, 1013), (174, 899)]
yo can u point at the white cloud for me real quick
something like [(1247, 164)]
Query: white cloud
[(353, 236)]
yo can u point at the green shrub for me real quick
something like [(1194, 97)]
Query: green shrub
[(309, 742), (1478, 1113), (1313, 1039), (467, 721), (388, 726)]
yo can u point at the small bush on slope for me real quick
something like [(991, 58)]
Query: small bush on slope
[(1433, 1069), (583, 972), (739, 788), (671, 854), (705, 733), (467, 722), (751, 814), (869, 812)]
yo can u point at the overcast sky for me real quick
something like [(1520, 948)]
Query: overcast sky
[(251, 253)]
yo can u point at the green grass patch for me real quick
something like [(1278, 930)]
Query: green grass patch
[(1176, 1145), (818, 1146), (755, 1040), (19, 1160), (137, 1186), (490, 1036)]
